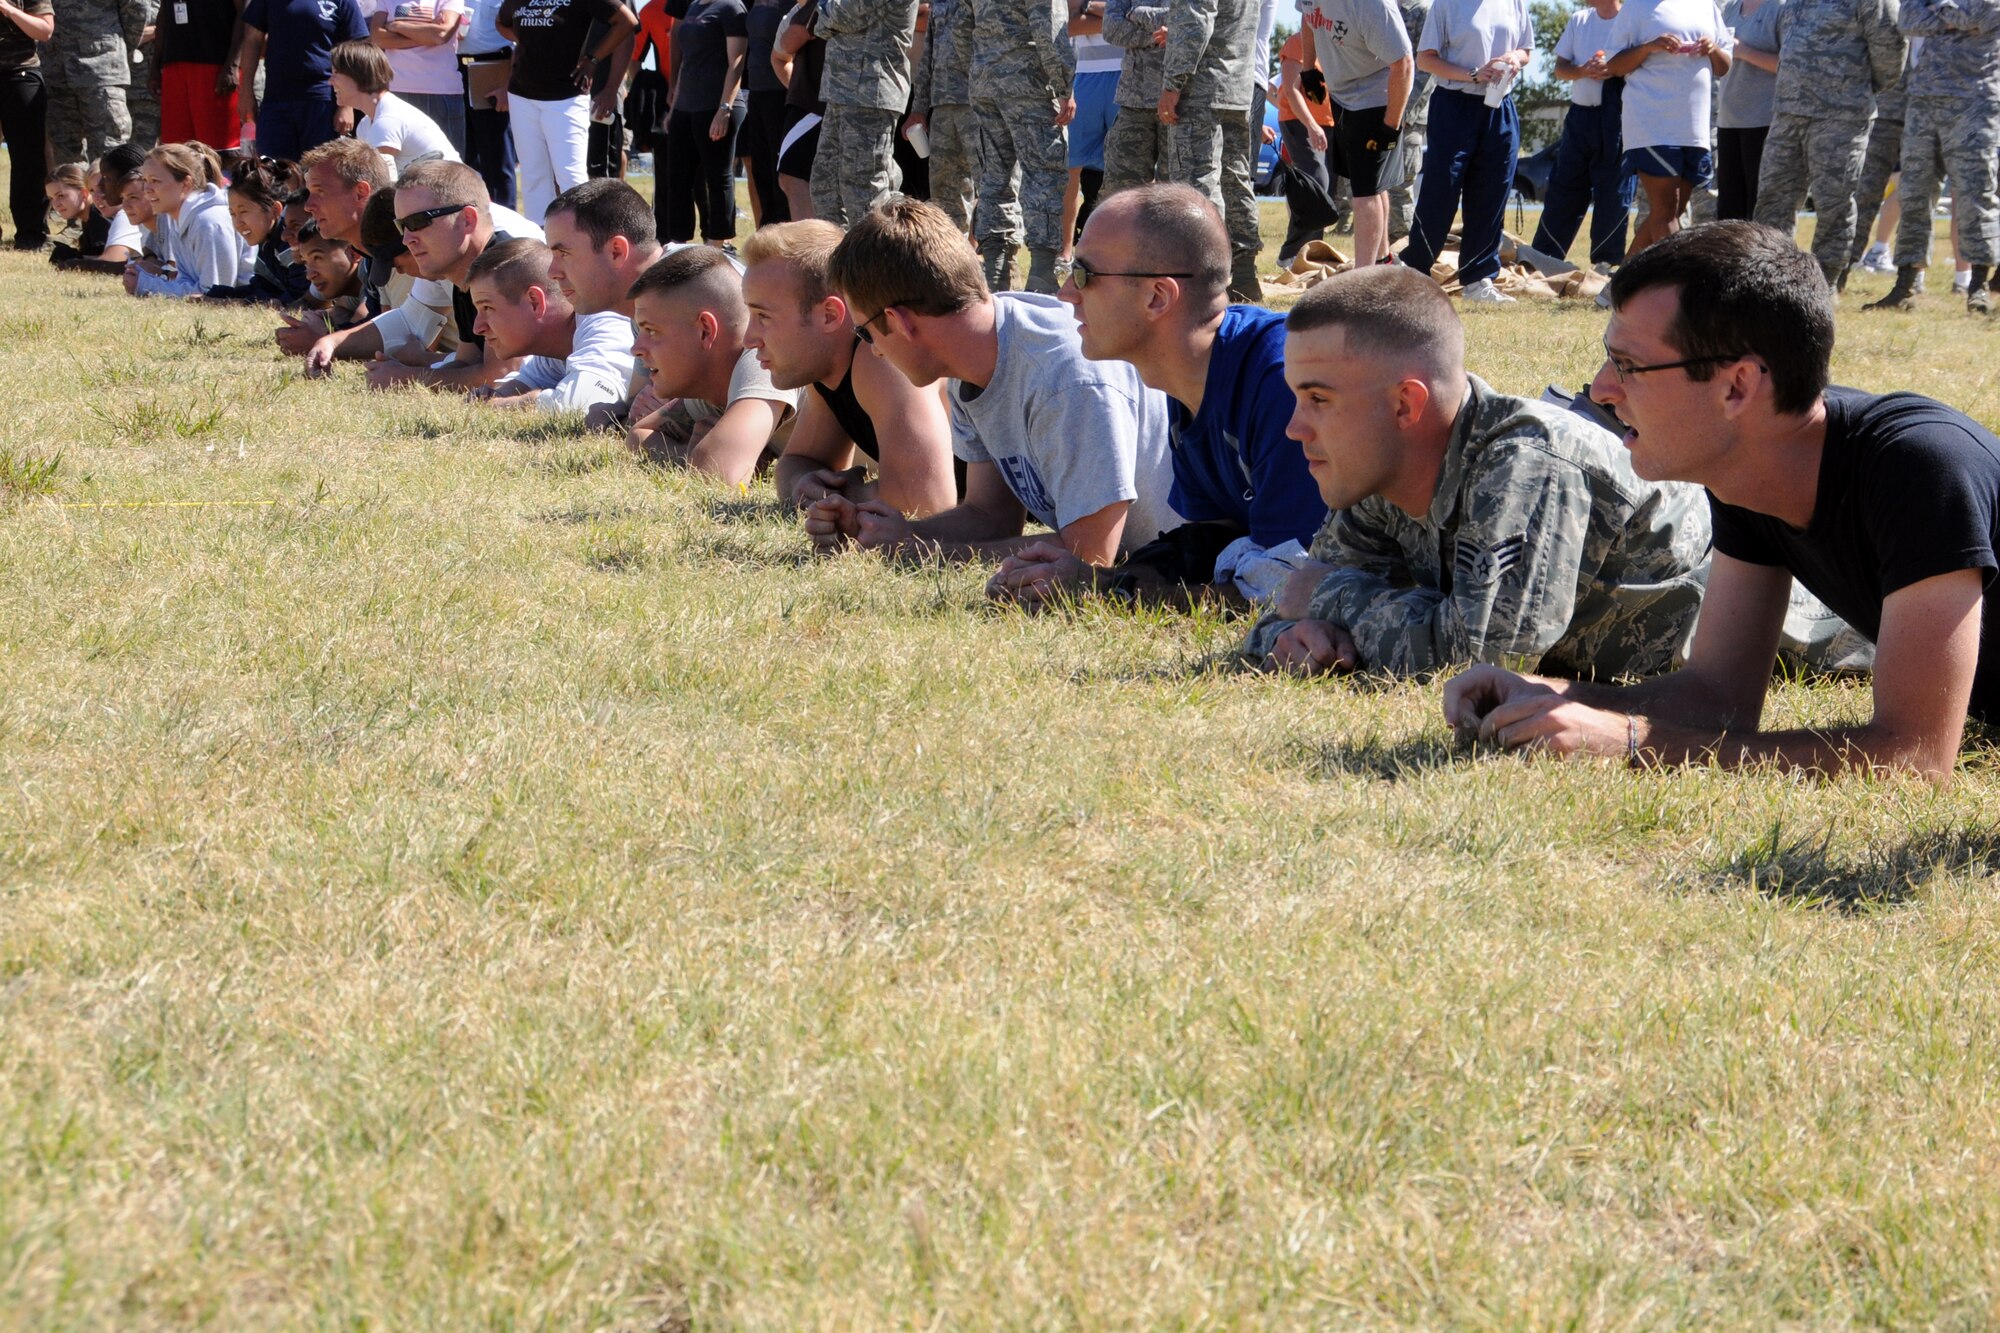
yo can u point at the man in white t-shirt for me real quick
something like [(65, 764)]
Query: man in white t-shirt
[(721, 414), (1078, 445), (1589, 171), (421, 38), (1363, 50), (569, 362)]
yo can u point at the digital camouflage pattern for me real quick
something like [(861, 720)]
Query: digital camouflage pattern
[(1541, 550), (1821, 156), (943, 94), (1136, 146), (1021, 51), (854, 168), (1023, 66), (1883, 158), (87, 65), (1210, 57), (867, 52), (1837, 54), (1952, 126), (1211, 60)]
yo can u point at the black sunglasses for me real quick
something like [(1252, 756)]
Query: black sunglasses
[(861, 330), (423, 217), (1081, 274)]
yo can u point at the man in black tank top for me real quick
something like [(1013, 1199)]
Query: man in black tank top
[(861, 410)]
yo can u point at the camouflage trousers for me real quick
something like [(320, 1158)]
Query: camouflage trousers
[(1211, 151), (1023, 170), (1821, 155), (954, 162), (84, 122), (1403, 192), (1884, 157), (144, 105), (855, 167), (1135, 149), (1959, 138)]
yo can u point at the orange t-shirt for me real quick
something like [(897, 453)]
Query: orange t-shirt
[(1295, 49), (654, 26)]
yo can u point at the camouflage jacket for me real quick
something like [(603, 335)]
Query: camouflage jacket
[(944, 74), (1021, 51), (93, 41), (1414, 13), (1834, 55), (1131, 24), (1211, 56), (867, 52), (1541, 549), (1961, 58)]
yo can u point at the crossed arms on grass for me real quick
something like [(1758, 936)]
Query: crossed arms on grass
[(987, 523)]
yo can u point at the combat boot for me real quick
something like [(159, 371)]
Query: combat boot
[(1976, 298), (1903, 296), (1244, 287), (1836, 278), (996, 262), (1042, 272)]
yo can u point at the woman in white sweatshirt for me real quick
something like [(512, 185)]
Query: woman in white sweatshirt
[(183, 183)]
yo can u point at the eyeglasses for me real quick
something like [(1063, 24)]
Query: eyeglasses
[(861, 329), (1624, 370), (417, 221), (1083, 274)]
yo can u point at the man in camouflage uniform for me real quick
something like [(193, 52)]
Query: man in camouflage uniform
[(1884, 156), (1837, 55), (1023, 72), (1208, 83), (1410, 148), (1952, 128), (1518, 532), (88, 66), (943, 105), (1135, 150), (866, 85)]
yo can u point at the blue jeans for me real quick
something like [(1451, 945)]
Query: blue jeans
[(1469, 154), (292, 129), (1589, 174)]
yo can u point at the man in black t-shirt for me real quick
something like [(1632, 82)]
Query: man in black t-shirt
[(1887, 508), (555, 58)]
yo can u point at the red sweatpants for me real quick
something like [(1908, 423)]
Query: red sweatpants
[(190, 108)]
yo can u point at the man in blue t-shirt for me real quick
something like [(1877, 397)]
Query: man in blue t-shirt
[(1151, 286), (1885, 507), (294, 39)]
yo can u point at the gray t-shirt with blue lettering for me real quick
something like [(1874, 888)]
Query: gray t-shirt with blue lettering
[(1070, 436)]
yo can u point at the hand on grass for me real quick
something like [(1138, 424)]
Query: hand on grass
[(1315, 648), (1514, 711), (832, 524), (1035, 575)]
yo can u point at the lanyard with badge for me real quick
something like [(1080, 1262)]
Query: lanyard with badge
[(181, 12)]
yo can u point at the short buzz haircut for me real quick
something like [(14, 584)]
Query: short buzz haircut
[(513, 266), (366, 64), (910, 254), (378, 222), (1180, 232), (452, 184), (700, 271), (805, 247), (604, 208), (1390, 310), (1744, 290), (352, 163)]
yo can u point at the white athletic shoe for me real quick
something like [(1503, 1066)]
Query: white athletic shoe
[(1878, 259), (1484, 292)]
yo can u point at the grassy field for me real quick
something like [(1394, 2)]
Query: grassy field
[(451, 877)]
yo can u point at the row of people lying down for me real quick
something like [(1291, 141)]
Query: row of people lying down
[(1337, 470)]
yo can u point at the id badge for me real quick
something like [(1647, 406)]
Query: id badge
[(180, 12)]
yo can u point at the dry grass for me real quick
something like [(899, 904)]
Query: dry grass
[(452, 878)]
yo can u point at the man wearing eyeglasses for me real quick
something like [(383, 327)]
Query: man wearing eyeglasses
[(1885, 507), (1078, 445), (1150, 286), (1467, 525)]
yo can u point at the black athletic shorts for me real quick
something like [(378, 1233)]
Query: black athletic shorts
[(1352, 157), (799, 146)]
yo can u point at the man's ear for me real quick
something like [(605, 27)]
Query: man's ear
[(708, 328), (618, 248), (1409, 400), (1743, 383), (538, 301), (1163, 295), (831, 313)]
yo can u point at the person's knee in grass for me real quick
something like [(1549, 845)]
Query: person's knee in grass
[(1150, 287), (721, 413), (1078, 445), (859, 412), (1466, 525)]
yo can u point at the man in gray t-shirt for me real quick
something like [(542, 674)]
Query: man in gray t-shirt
[(1081, 446), (1363, 49)]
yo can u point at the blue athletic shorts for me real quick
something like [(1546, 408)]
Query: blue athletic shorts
[(1696, 166), (1096, 108)]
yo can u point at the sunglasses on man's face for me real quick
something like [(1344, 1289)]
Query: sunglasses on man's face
[(863, 332), (1082, 274), (413, 222)]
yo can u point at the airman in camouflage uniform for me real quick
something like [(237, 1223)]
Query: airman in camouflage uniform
[(1135, 149), (1952, 127), (1403, 190), (88, 66), (1210, 63), (866, 85), (944, 99), (1023, 77), (1541, 550), (1836, 55), (1884, 156)]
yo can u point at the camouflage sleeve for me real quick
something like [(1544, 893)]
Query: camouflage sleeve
[(1132, 25), (1513, 564), (133, 16), (1929, 18), (851, 15), (1188, 32), (1887, 47), (1058, 57), (920, 74)]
